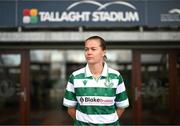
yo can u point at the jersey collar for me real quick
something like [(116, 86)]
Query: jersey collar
[(104, 72)]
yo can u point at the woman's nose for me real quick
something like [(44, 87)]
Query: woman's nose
[(89, 52)]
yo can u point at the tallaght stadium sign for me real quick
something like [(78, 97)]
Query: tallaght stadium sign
[(88, 16), (89, 13), (85, 11)]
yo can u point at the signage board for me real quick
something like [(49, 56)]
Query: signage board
[(8, 13), (164, 13), (89, 13)]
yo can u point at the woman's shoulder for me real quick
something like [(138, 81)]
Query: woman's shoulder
[(78, 71), (111, 70)]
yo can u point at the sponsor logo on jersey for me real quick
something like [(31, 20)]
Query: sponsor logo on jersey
[(95, 100)]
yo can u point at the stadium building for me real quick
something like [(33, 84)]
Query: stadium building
[(41, 43)]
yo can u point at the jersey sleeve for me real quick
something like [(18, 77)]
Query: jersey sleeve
[(69, 96), (121, 99)]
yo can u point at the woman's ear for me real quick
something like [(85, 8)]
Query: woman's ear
[(104, 52)]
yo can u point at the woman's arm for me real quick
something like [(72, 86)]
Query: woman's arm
[(120, 111), (72, 112)]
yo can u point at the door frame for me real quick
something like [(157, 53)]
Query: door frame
[(24, 93), (136, 85)]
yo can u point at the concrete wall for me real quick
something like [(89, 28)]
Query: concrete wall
[(114, 38)]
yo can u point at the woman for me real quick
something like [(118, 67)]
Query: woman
[(95, 94)]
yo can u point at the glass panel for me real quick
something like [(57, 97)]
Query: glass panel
[(9, 87), (48, 81), (10, 60), (178, 88), (154, 72), (50, 70)]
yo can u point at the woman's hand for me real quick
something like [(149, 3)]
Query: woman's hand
[(120, 111), (72, 112)]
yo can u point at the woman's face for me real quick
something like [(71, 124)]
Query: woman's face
[(93, 51)]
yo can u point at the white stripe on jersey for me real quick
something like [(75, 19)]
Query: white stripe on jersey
[(123, 104), (120, 88), (70, 87), (69, 103), (96, 119), (95, 101), (79, 71), (110, 70)]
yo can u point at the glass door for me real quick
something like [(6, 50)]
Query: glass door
[(13, 88), (154, 88)]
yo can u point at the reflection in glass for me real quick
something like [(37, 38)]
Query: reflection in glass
[(9, 87), (9, 60), (154, 88)]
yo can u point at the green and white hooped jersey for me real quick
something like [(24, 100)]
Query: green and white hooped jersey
[(96, 100)]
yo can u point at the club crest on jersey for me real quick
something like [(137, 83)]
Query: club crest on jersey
[(108, 84), (84, 82)]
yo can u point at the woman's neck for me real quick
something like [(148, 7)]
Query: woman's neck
[(96, 69)]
